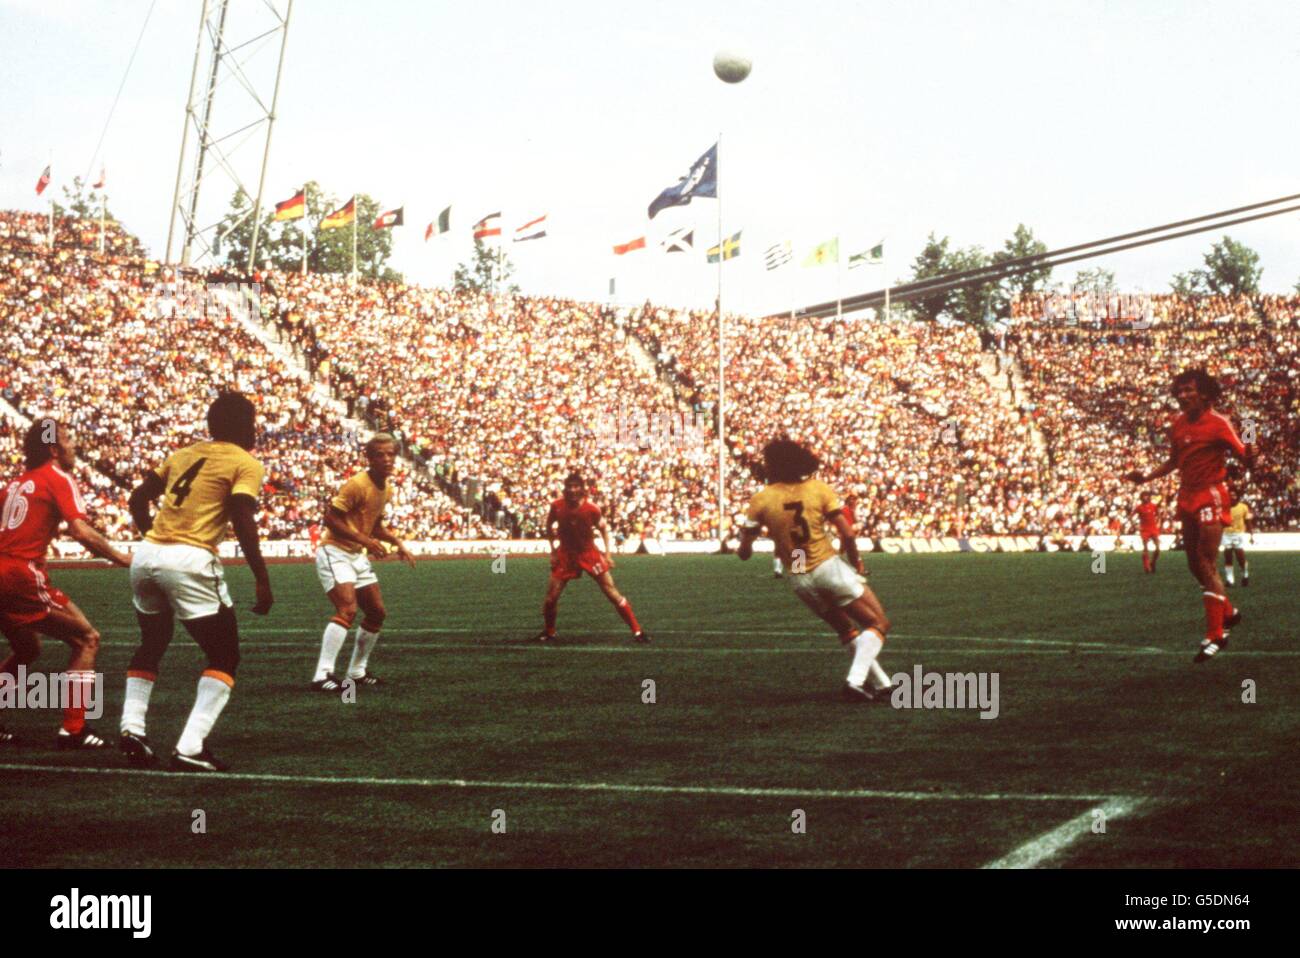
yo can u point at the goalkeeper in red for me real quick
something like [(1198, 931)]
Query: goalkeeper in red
[(1200, 438), (572, 523)]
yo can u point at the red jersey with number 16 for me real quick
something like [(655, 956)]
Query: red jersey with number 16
[(33, 507), (577, 524), (1199, 449)]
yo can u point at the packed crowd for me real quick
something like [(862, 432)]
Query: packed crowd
[(1100, 393), (109, 346), (496, 399)]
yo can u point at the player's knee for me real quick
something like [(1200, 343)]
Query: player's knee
[(346, 614)]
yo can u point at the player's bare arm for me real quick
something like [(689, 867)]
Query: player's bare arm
[(848, 542), (336, 522), (96, 544), (746, 547), (385, 535), (607, 537), (552, 527), (142, 499), (1141, 478), (243, 518)]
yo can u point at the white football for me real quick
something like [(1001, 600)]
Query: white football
[(730, 66)]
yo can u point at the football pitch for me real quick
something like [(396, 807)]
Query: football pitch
[(486, 750)]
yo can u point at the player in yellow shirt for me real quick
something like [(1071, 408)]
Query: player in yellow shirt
[(1234, 537), (354, 531), (795, 509), (176, 574)]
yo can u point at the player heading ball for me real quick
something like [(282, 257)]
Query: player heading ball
[(795, 509)]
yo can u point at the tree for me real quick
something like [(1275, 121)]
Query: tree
[(328, 251), (84, 201), (966, 303), (1099, 282), (490, 271), (1024, 283), (1231, 269)]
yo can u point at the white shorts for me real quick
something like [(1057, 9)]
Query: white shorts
[(833, 583), (1234, 540), (335, 566), (184, 577)]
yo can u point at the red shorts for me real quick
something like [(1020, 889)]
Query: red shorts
[(1150, 534), (26, 595), (571, 565), (1205, 506)]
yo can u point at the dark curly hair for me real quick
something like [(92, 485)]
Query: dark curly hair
[(1205, 384), (785, 460)]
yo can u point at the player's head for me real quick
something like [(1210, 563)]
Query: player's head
[(785, 460), (1146, 495), (575, 487), (381, 453), (1195, 389), (48, 439), (232, 418)]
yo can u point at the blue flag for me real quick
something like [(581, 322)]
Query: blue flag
[(702, 180)]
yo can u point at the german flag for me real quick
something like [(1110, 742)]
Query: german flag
[(340, 217), (292, 209)]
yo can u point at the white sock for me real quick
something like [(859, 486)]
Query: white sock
[(212, 697), (330, 643), (136, 705), (1228, 576), (877, 676), (361, 652), (865, 649), (776, 566)]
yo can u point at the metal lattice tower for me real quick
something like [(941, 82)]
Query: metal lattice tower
[(257, 24)]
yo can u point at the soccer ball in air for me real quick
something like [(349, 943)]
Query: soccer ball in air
[(730, 66)]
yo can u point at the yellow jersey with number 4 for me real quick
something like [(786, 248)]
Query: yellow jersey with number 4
[(795, 514), (198, 482)]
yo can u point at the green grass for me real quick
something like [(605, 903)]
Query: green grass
[(1099, 697)]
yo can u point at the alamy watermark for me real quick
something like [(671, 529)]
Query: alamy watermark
[(637, 428), (920, 689), (194, 301), (52, 690)]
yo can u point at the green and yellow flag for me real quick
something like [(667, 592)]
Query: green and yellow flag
[(828, 252)]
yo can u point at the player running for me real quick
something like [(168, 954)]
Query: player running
[(1199, 438), (1148, 514), (35, 505), (1234, 537), (354, 526), (570, 527), (176, 574), (795, 508)]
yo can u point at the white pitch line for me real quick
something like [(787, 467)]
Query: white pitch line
[(462, 783), (1035, 852)]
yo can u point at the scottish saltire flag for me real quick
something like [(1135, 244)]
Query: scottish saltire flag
[(533, 229), (872, 257), (778, 255), (828, 252), (679, 241), (700, 180), (730, 248)]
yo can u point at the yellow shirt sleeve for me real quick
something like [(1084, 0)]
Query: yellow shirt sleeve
[(831, 501), (347, 498), (754, 512), (248, 478)]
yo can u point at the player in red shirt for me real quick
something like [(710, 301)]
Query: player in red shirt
[(34, 506), (570, 527), (1148, 514), (1199, 439)]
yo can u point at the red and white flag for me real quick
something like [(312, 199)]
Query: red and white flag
[(533, 229), (489, 225), (100, 184), (638, 243), (43, 182)]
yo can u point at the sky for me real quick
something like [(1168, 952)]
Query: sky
[(862, 119)]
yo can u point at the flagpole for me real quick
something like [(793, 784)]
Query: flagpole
[(103, 202), (722, 360), (355, 213), (304, 230), (50, 167), (839, 278)]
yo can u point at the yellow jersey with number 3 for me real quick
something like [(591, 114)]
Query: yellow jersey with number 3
[(795, 514), (198, 482)]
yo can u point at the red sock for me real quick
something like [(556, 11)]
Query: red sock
[(1228, 608), (78, 685), (625, 611), (1146, 561), (1213, 615), (549, 615)]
